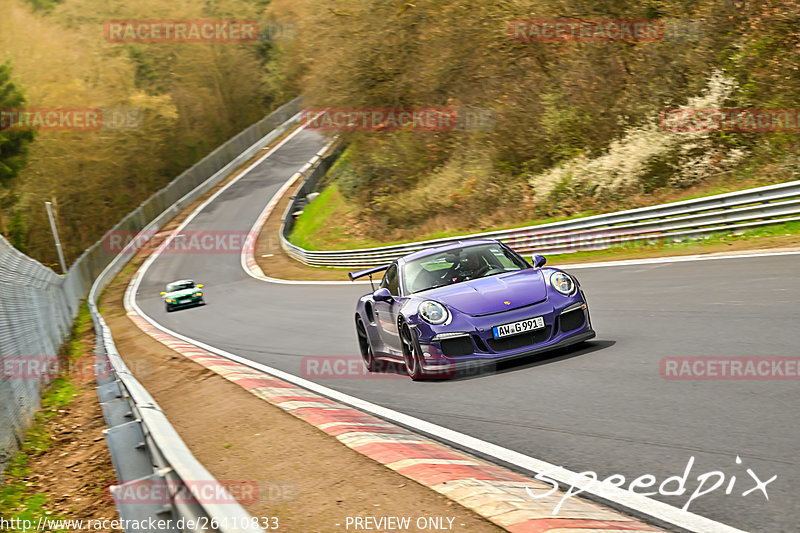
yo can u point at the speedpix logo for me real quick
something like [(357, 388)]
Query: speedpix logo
[(647, 484)]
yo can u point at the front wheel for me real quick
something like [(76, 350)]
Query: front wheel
[(411, 355)]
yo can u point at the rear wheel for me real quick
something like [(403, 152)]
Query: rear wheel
[(364, 345), (411, 355)]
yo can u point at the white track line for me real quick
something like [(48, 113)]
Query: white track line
[(248, 252), (637, 503)]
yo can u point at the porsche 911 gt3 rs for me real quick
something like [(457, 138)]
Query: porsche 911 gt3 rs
[(456, 305)]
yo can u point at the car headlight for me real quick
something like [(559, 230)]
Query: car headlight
[(433, 312), (198, 293), (562, 283), (170, 300)]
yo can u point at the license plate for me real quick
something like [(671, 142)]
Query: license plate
[(515, 328), (185, 301)]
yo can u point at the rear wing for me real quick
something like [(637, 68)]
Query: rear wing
[(366, 272)]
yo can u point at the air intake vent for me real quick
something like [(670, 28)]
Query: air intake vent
[(457, 346)]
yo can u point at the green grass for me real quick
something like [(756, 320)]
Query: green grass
[(661, 247), (83, 323), (317, 222), (20, 498), (324, 225)]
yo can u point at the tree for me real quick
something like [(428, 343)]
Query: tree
[(13, 143)]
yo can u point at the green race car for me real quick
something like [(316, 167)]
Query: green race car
[(182, 293)]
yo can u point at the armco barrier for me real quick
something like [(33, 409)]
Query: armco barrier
[(736, 211), (37, 308), (312, 171)]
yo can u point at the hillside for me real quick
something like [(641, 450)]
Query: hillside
[(572, 127), (578, 124), (189, 97)]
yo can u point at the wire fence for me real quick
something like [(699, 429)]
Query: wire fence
[(37, 306), (35, 317)]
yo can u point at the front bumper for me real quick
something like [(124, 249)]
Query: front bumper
[(566, 322), (191, 303), (445, 365)]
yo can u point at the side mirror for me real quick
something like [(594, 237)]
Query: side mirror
[(382, 295), (539, 261), (163, 294), (200, 286)]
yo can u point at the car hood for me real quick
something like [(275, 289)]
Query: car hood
[(182, 293), (488, 295)]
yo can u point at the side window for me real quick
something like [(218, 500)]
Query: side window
[(390, 281)]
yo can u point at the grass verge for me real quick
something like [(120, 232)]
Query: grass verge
[(786, 235), (332, 222), (63, 466)]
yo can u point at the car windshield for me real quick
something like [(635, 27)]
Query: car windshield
[(455, 266), (179, 286)]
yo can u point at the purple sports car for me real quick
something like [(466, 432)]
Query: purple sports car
[(452, 306)]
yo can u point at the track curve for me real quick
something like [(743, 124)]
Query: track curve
[(603, 407)]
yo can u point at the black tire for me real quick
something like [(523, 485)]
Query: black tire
[(169, 308), (411, 355), (364, 345)]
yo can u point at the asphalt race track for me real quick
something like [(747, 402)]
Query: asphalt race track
[(603, 407)]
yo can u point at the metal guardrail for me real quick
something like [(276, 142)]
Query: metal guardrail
[(37, 308), (312, 172), (145, 448), (688, 219), (150, 459)]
